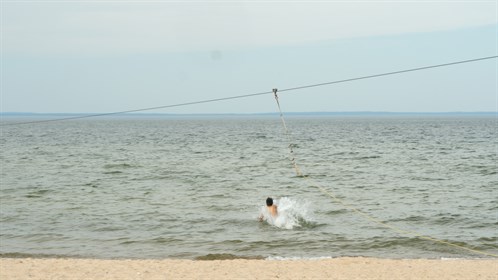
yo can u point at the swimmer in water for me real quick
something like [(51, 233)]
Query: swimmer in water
[(272, 208)]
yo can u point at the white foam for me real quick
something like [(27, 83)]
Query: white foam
[(291, 213)]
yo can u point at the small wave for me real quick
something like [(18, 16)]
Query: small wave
[(157, 241), (109, 229), (113, 172), (366, 157), (37, 193), (377, 243), (337, 212), (488, 243), (164, 240), (427, 179), (417, 243), (118, 165), (448, 219), (14, 255), (488, 239), (278, 258), (413, 218), (212, 257)]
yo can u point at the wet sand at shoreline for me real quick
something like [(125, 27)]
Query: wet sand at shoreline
[(338, 268)]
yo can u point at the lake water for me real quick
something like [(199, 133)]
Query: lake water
[(193, 187)]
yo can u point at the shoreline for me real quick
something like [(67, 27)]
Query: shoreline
[(330, 268)]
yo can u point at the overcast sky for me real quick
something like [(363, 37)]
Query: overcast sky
[(105, 56)]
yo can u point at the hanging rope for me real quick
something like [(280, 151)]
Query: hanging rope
[(289, 139), (357, 211)]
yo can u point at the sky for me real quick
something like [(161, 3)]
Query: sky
[(106, 56)]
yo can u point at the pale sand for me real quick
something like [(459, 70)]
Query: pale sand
[(340, 268)]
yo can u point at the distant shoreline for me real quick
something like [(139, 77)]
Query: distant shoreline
[(353, 113)]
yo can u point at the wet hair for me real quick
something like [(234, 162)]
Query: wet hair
[(269, 201)]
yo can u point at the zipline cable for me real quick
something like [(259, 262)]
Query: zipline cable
[(254, 94), (357, 211), (390, 73), (139, 110)]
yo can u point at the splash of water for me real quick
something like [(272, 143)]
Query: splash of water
[(291, 214)]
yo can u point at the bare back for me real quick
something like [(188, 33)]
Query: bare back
[(273, 210)]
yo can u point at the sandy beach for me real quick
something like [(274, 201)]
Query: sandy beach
[(340, 268)]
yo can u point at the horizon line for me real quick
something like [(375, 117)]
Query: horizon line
[(260, 113)]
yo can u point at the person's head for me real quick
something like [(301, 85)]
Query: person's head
[(269, 201)]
